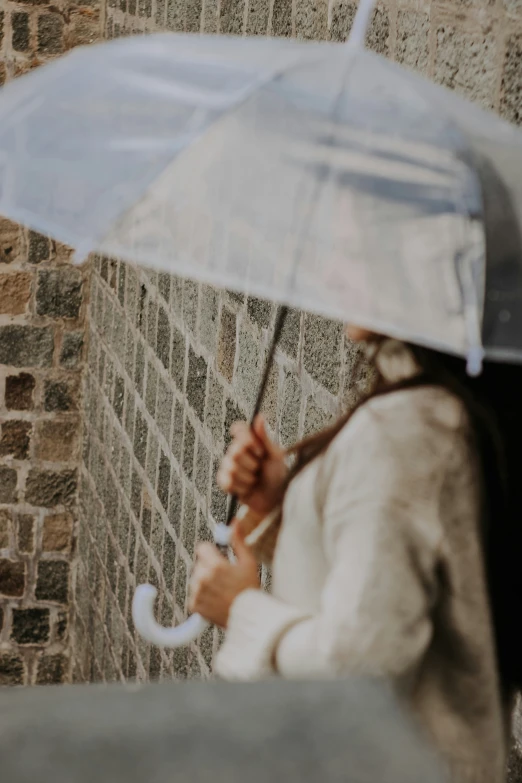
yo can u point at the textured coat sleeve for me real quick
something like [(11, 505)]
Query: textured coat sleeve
[(380, 484)]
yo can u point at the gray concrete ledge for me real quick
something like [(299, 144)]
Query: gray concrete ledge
[(209, 733)]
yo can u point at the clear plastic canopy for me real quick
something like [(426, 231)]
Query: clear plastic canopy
[(314, 174)]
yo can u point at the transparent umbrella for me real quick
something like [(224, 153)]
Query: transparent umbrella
[(318, 175)]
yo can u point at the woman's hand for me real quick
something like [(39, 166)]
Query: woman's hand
[(253, 468), (216, 583)]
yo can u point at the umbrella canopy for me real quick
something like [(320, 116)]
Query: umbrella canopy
[(315, 174)]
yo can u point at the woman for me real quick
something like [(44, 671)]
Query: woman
[(396, 551)]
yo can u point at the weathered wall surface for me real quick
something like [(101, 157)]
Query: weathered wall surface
[(171, 364), (42, 315)]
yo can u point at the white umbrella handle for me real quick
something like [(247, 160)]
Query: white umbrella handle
[(180, 635)]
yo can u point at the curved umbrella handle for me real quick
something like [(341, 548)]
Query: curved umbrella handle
[(145, 595), (180, 635)]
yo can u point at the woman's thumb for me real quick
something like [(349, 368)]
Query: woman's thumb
[(259, 427)]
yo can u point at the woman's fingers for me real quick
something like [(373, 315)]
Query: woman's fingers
[(244, 436), (243, 457), (237, 474)]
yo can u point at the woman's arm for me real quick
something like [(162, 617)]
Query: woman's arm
[(381, 535)]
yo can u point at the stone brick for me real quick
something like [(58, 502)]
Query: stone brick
[(39, 248), (139, 368), (208, 318), (140, 438), (412, 45), (82, 30), (164, 409), (152, 459), (169, 560), (227, 344), (20, 26), (15, 439), (59, 292), (289, 339), (193, 16), (26, 346), (11, 669), (48, 488), (72, 349), (57, 441), (197, 383), (175, 502), (61, 395), (30, 626), (378, 37), (232, 414), (189, 442), (5, 527), (513, 7), (119, 397), (291, 404), (50, 34), (249, 365), (177, 365), (202, 469), (152, 321), (8, 480), (164, 285), (511, 98), (231, 17), (214, 414), (316, 418), (282, 18), (12, 578), (26, 528), (19, 392), (52, 583), (180, 585), (257, 19), (1, 619), (163, 338), (152, 390), (2, 17), (465, 61), (164, 481), (61, 626), (322, 351), (9, 241), (190, 304), (260, 311), (57, 533), (343, 14), (311, 19), (175, 14), (204, 531), (51, 670), (15, 292), (189, 522)]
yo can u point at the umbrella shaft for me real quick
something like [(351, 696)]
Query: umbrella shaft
[(278, 328)]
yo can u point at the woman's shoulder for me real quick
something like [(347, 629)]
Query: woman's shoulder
[(406, 417)]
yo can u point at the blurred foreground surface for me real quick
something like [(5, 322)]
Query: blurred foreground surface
[(201, 732)]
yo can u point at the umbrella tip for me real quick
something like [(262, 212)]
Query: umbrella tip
[(475, 360)]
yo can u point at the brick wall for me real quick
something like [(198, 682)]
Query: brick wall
[(171, 364), (42, 315)]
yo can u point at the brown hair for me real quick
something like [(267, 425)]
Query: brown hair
[(493, 402)]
